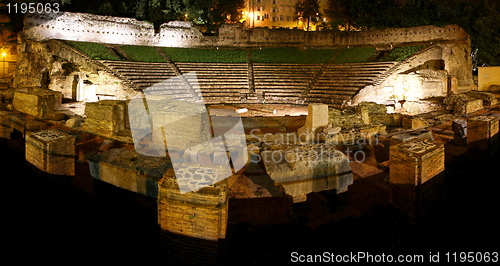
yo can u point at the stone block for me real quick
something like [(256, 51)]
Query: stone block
[(415, 176), (51, 151), (317, 115), (129, 170), (413, 122), (37, 104), (393, 119), (308, 168), (5, 125), (106, 117), (459, 128), (200, 214), (467, 107), (482, 135), (495, 88)]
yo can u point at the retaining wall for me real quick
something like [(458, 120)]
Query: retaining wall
[(118, 30)]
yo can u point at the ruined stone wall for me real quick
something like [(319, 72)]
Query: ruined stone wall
[(118, 30), (55, 66), (391, 36), (417, 77), (106, 29)]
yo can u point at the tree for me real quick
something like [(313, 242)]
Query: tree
[(307, 9), (485, 35)]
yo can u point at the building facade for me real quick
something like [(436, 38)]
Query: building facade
[(8, 55), (275, 14)]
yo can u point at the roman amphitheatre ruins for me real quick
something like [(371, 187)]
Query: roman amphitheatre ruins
[(320, 112)]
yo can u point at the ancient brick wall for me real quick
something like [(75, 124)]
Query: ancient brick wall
[(117, 30), (106, 29)]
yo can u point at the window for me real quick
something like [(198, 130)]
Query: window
[(294, 19), (282, 18), (287, 9), (274, 2), (266, 16), (258, 17), (282, 8), (274, 19), (275, 10), (259, 8), (287, 18), (259, 1)]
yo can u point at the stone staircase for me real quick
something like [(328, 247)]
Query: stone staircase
[(274, 83), (283, 83), (219, 82), (340, 82)]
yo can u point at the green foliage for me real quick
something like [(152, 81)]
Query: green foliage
[(401, 53), (205, 55), (307, 10), (292, 55), (142, 53), (94, 50), (355, 55), (363, 14)]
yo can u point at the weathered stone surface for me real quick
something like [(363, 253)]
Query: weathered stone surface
[(129, 170), (201, 213), (317, 116), (74, 121), (55, 116), (469, 102), (414, 176), (413, 122), (467, 107), (106, 117), (495, 88), (394, 119), (5, 125), (51, 151), (372, 108), (37, 104), (308, 168), (459, 128), (482, 135)]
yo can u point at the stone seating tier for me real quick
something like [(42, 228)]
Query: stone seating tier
[(275, 83)]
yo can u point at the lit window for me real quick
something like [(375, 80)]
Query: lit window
[(282, 18), (274, 2), (258, 17), (274, 19)]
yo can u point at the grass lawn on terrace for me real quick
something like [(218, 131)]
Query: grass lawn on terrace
[(401, 53), (292, 55), (94, 50), (354, 55), (289, 55), (195, 55), (143, 53)]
